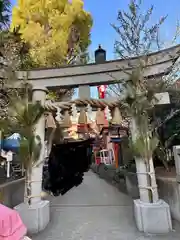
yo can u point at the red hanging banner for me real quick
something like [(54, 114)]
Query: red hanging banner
[(102, 91)]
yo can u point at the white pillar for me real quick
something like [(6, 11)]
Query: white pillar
[(176, 152), (39, 94)]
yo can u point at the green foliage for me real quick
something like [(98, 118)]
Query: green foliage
[(137, 102), (27, 115), (51, 96), (138, 99), (29, 151), (169, 129), (144, 146), (21, 116)]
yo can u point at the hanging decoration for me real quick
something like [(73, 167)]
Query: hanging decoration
[(59, 116), (49, 121), (102, 91), (107, 113), (74, 113), (89, 113)]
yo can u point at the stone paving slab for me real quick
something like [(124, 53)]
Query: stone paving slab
[(95, 211)]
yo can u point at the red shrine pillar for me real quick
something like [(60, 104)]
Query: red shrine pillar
[(116, 154)]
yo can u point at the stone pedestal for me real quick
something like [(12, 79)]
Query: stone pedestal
[(152, 217), (176, 152), (35, 217)]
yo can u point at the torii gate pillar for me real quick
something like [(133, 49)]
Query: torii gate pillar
[(84, 92), (37, 216)]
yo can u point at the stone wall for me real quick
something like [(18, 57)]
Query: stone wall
[(169, 190), (12, 193)]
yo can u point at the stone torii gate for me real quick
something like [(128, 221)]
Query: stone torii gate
[(159, 63), (83, 76)]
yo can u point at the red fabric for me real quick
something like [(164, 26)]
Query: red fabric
[(11, 225), (98, 160)]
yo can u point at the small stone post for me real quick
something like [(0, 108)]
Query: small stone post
[(176, 151)]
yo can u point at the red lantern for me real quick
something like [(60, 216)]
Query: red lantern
[(102, 91)]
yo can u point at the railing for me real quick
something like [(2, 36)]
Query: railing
[(107, 156)]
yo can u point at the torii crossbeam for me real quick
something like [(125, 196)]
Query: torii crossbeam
[(159, 63)]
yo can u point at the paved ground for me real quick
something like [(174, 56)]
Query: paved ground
[(95, 211)]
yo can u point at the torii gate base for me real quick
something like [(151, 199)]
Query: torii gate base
[(152, 217), (36, 217)]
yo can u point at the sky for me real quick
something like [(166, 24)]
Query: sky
[(104, 12)]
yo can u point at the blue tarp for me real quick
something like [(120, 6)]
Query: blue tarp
[(11, 143)]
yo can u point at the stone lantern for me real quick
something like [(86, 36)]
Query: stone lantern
[(100, 55)]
